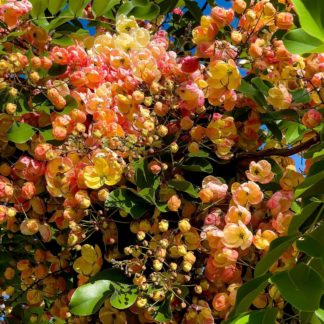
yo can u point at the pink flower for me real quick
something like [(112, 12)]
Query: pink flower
[(260, 172), (312, 118), (222, 16), (280, 201), (12, 10), (218, 188), (189, 64), (60, 55), (177, 11), (191, 96), (282, 221)]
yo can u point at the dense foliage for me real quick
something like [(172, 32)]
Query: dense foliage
[(148, 161)]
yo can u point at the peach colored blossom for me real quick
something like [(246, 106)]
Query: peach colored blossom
[(246, 193), (260, 172), (238, 213), (237, 236)]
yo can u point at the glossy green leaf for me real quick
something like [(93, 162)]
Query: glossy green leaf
[(140, 9), (301, 286), (306, 188), (39, 6), (251, 92), (313, 150), (123, 296), (163, 313), (297, 41), (63, 41), (100, 7), (261, 85), (300, 218), (112, 274), (184, 186), (248, 292), (320, 314), (311, 17), (194, 9), (77, 6), (144, 178), (167, 6), (300, 96), (312, 243), (128, 201), (57, 69), (54, 6), (197, 165), (87, 299), (277, 248), (20, 133), (266, 316)]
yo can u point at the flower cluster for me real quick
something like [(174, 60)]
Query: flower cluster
[(121, 132)]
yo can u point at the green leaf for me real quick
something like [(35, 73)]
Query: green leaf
[(141, 9), (39, 6), (320, 314), (297, 41), (20, 133), (184, 186), (300, 218), (251, 92), (113, 275), (316, 168), (312, 243), (47, 133), (266, 316), (277, 248), (318, 148), (194, 9), (293, 130), (77, 6), (123, 296), (311, 17), (54, 6), (163, 312), (128, 201), (301, 96), (57, 69), (301, 286), (167, 6), (100, 7), (197, 165), (63, 41), (144, 178), (261, 85), (87, 299), (306, 188), (64, 17), (248, 292)]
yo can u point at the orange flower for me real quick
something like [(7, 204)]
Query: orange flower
[(246, 193)]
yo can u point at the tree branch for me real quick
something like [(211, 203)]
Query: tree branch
[(258, 155)]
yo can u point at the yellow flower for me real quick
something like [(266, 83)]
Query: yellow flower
[(224, 75), (105, 171), (90, 261), (125, 24), (290, 178), (279, 97), (237, 236), (110, 315)]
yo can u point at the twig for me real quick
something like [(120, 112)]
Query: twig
[(279, 152)]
